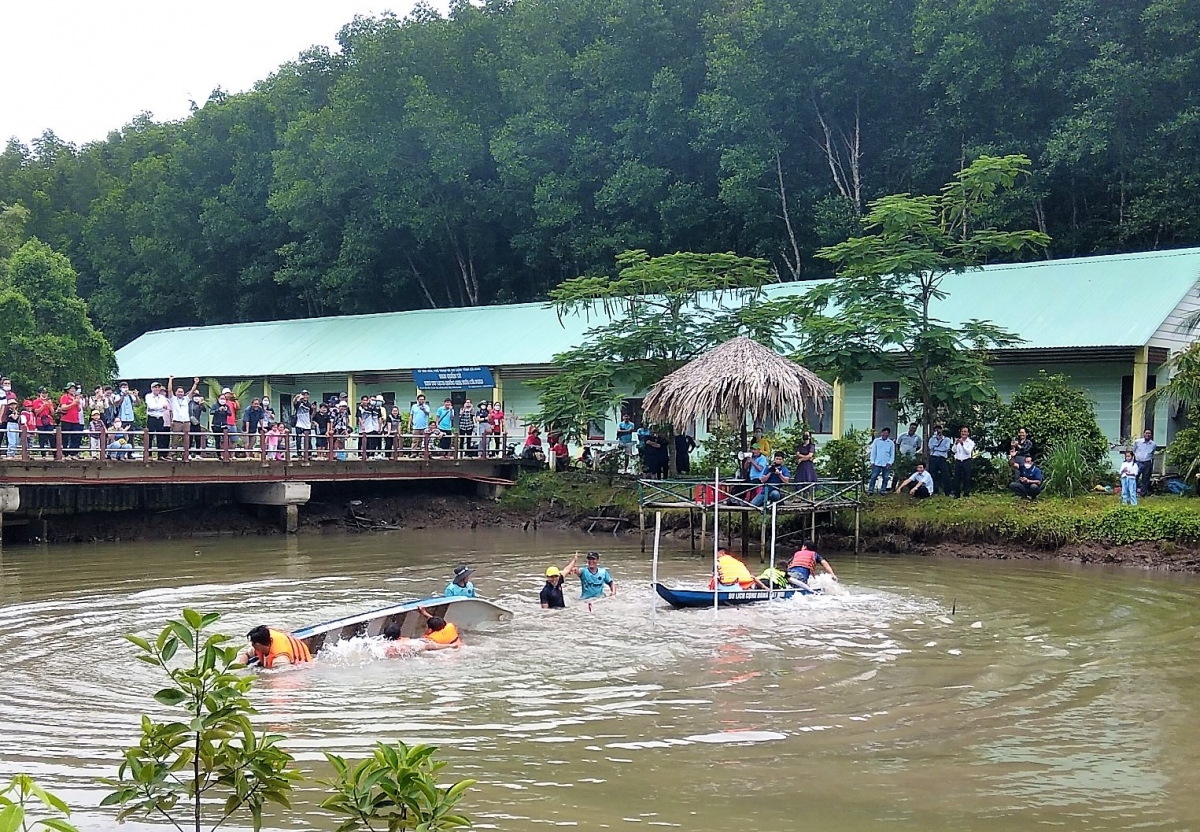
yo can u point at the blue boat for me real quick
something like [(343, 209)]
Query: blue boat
[(683, 598), (464, 613)]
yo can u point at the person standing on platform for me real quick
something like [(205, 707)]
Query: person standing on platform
[(684, 445), (1143, 454), (419, 424), (806, 453)]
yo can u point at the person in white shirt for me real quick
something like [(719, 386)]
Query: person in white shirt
[(909, 443), (180, 412), (921, 482), (158, 411), (963, 450), (1143, 455), (1130, 470)]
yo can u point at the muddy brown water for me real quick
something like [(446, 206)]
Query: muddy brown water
[(1053, 695)]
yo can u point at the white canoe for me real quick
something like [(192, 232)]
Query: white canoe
[(464, 613)]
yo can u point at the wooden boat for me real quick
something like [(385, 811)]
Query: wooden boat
[(681, 598), (464, 613)]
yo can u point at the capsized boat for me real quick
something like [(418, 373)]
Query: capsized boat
[(464, 613), (682, 598)]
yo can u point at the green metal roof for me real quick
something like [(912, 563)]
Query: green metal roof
[(1107, 301)]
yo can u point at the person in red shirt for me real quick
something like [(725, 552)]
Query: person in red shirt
[(70, 409), (44, 418), (496, 422)]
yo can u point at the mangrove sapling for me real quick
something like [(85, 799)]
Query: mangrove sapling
[(203, 769), (393, 789), (21, 798)]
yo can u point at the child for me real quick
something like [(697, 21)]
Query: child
[(95, 428), (274, 440), (28, 423)]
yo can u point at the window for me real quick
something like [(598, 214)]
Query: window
[(885, 397), (633, 409), (1126, 431), (819, 421), (596, 429)]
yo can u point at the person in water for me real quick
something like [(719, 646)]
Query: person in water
[(461, 587), (593, 578), (398, 647), (732, 574), (439, 633), (805, 561), (274, 648), (552, 593)]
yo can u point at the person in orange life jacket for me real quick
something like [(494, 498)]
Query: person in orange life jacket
[(732, 574), (805, 561), (274, 648), (439, 633)]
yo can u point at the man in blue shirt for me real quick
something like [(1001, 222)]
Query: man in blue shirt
[(461, 586), (883, 456), (921, 482), (1028, 483), (445, 423), (625, 429), (1143, 455), (593, 578), (774, 476), (419, 424)]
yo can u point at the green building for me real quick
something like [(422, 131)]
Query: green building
[(1108, 322)]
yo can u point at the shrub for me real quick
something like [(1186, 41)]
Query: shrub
[(844, 459), (1067, 473), (1184, 452), (1050, 409)]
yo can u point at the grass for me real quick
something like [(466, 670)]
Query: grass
[(1049, 523)]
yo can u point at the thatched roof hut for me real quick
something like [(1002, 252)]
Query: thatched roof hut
[(737, 378)]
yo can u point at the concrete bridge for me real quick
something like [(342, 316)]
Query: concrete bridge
[(32, 488)]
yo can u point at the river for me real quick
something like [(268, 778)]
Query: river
[(938, 695)]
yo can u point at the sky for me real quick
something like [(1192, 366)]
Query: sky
[(84, 67)]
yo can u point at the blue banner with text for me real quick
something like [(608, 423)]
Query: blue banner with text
[(454, 378)]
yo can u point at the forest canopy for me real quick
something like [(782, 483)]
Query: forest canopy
[(489, 155)]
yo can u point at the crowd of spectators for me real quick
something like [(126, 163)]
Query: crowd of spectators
[(179, 422)]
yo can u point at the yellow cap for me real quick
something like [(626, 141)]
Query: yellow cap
[(553, 572)]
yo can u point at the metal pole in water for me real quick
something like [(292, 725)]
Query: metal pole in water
[(716, 539), (771, 559)]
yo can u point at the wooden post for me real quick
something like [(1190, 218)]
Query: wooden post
[(857, 545), (703, 528), (642, 526), (813, 537), (692, 527)]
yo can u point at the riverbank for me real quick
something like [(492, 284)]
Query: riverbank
[(1163, 532)]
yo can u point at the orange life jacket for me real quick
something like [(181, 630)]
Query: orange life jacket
[(730, 570), (283, 644), (804, 558), (446, 635)]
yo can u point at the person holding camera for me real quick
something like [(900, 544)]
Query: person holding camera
[(776, 474)]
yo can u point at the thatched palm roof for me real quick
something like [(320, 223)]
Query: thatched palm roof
[(739, 377)]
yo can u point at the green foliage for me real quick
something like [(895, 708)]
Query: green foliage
[(656, 324), (718, 450), (25, 806), (1066, 468), (876, 314), (393, 789), (845, 459), (527, 143), (1051, 410), (1183, 453), (1183, 371), (201, 770), (1049, 523), (46, 336)]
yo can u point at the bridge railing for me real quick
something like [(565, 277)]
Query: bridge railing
[(189, 444), (744, 495)]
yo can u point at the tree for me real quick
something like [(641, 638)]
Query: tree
[(181, 770), (48, 337), (877, 314), (1055, 413), (657, 315)]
